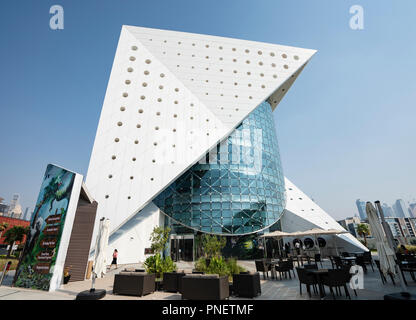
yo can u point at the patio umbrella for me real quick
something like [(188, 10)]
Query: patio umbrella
[(318, 232), (385, 252), (100, 261), (277, 235)]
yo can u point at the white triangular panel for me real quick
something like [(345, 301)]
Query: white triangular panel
[(302, 213), (229, 76), (157, 120)]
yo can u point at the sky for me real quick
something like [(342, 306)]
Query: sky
[(346, 128)]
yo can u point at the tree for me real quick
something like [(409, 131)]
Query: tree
[(212, 245), (363, 231), (14, 234), (156, 264), (3, 226), (159, 239)]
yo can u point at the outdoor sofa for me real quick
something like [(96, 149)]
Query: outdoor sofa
[(247, 285), (205, 287), (134, 283), (172, 281)]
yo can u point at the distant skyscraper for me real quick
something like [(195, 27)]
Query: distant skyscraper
[(4, 208), (412, 210), (28, 214), (361, 209), (400, 209), (387, 210), (15, 210)]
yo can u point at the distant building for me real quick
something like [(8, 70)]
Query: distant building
[(395, 227), (409, 226), (402, 227), (361, 209), (350, 224), (28, 214), (4, 208), (387, 210), (412, 209), (15, 210), (400, 209)]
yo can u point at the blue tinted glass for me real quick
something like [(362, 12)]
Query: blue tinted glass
[(242, 193)]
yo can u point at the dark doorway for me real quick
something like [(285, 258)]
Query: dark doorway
[(182, 248)]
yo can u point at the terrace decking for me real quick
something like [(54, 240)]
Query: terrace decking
[(286, 289)]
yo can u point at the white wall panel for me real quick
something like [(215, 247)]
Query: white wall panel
[(302, 213)]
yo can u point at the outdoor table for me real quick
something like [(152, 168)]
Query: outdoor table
[(318, 274)]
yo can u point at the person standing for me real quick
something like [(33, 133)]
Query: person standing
[(115, 254), (297, 246)]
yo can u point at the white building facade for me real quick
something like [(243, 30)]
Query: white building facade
[(186, 139)]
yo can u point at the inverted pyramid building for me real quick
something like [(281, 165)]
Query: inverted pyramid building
[(186, 132)]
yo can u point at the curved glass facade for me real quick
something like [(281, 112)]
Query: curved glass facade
[(237, 188)]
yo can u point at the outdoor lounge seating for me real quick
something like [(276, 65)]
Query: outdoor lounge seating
[(360, 261), (383, 278), (247, 284), (134, 283), (284, 267), (262, 266), (368, 259), (407, 267), (337, 278), (310, 266), (172, 281), (318, 258), (205, 287), (338, 262), (307, 279)]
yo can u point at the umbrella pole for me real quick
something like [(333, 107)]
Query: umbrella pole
[(319, 248), (93, 282), (278, 246), (335, 244)]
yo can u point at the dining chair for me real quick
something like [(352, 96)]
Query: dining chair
[(307, 279)]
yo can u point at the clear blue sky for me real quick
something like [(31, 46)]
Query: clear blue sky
[(346, 128)]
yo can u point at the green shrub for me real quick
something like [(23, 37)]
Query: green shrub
[(158, 265), (213, 245), (410, 248), (200, 265), (233, 267), (220, 266)]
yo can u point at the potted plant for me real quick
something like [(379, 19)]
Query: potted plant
[(67, 275)]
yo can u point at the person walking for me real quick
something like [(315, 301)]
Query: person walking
[(115, 254)]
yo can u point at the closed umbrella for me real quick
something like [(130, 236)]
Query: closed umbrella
[(385, 252), (100, 261)]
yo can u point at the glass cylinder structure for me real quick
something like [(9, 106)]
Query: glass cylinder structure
[(237, 188)]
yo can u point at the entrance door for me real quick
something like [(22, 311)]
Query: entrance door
[(182, 247)]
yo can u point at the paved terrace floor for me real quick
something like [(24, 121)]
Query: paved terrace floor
[(286, 289)]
